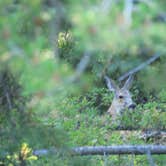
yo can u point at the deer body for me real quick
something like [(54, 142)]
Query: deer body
[(122, 97)]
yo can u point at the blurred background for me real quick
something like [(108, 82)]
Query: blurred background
[(54, 55)]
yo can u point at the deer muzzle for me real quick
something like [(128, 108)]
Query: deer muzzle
[(132, 106)]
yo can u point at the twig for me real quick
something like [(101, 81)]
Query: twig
[(8, 100), (150, 159), (140, 67), (132, 160)]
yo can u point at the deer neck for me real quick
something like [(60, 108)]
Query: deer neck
[(115, 109)]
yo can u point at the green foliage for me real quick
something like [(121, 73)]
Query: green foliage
[(10, 92), (19, 125), (153, 116), (66, 45), (23, 157), (44, 109)]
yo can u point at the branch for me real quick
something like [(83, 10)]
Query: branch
[(150, 159), (82, 65), (113, 150), (8, 101), (140, 67), (121, 149)]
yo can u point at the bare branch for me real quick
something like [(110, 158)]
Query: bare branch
[(82, 65), (113, 150), (150, 159), (8, 100), (140, 67)]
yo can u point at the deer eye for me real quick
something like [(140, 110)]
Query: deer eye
[(120, 97)]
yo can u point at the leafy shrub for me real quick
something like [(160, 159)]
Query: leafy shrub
[(19, 125)]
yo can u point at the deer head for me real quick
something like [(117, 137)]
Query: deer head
[(122, 97)]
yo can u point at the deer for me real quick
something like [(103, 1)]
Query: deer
[(123, 100), (122, 97)]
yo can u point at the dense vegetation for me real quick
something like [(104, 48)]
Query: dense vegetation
[(47, 100)]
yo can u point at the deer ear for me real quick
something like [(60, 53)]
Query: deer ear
[(128, 82), (110, 84)]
